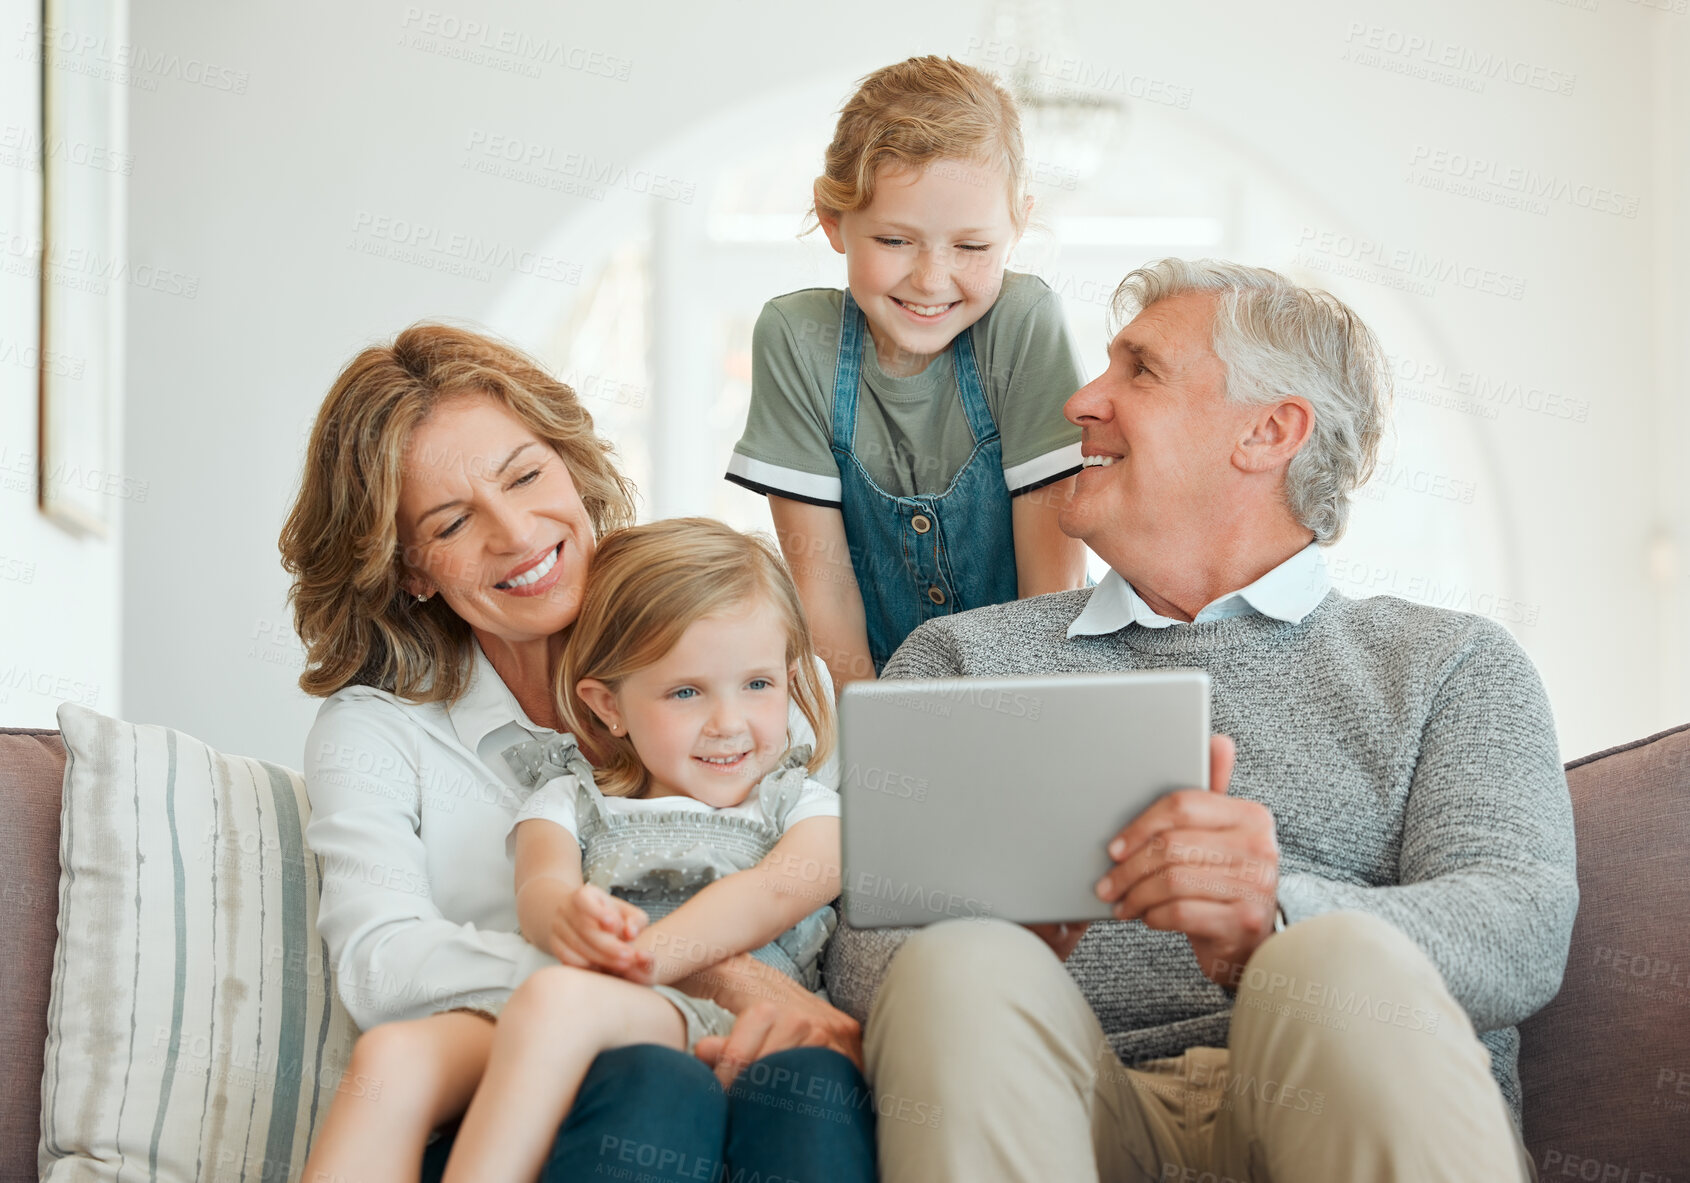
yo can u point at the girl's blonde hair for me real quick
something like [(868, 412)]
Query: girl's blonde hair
[(647, 585), (341, 540), (912, 114)]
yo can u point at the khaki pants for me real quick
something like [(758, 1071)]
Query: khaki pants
[(988, 1065)]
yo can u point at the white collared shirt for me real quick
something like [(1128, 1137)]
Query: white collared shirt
[(410, 805), (1289, 592)]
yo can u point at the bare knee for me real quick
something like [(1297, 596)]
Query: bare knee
[(393, 1049), (545, 990), (402, 1063), (556, 996)]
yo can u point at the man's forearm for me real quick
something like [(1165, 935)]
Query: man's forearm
[(1497, 934)]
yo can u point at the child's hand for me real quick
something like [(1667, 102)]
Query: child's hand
[(592, 929)]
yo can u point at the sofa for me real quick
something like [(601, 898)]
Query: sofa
[(1605, 1066)]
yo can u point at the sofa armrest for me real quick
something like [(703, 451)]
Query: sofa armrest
[(32, 768)]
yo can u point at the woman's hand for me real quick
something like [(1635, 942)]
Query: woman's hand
[(768, 1027), (592, 929), (774, 1013)]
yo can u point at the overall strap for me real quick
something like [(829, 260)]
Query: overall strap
[(973, 392), (847, 373)]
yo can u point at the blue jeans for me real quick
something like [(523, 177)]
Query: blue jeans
[(652, 1113)]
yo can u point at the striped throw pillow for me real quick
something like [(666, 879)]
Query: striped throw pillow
[(193, 1031)]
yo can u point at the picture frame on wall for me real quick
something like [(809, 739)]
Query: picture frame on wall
[(84, 269)]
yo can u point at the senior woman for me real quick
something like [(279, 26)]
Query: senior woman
[(452, 496)]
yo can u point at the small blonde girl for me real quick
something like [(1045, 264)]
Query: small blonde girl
[(899, 426), (700, 835)]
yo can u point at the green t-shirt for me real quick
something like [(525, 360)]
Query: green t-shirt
[(912, 435)]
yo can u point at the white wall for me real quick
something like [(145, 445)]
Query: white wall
[(1669, 557), (270, 198), (59, 592)]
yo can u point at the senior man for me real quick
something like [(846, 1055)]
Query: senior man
[(1318, 966)]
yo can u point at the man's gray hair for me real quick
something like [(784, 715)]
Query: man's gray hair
[(1278, 339)]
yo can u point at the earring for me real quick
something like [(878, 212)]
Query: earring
[(421, 599)]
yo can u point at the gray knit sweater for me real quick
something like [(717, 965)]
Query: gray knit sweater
[(1410, 761)]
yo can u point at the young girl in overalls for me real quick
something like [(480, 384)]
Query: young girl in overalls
[(698, 837), (900, 426)]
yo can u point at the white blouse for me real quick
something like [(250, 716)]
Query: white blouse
[(410, 806)]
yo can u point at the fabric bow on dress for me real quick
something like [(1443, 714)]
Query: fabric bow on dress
[(536, 761)]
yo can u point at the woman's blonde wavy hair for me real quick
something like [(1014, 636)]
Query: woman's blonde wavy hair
[(341, 541), (916, 112), (647, 585)]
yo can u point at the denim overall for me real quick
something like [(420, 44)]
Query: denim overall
[(934, 553)]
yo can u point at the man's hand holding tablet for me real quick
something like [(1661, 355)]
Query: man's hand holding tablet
[(1197, 862), (946, 813)]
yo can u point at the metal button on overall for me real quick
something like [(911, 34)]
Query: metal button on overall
[(936, 594), (921, 523)]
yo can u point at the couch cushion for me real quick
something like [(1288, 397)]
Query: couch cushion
[(192, 1033), (1605, 1067), (32, 768)]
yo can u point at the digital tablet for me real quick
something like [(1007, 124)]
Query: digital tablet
[(997, 796)]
